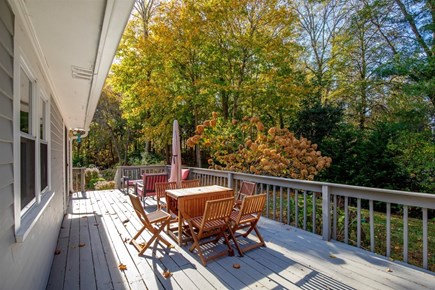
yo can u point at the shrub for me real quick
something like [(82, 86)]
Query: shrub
[(103, 185), (108, 174), (246, 146), (94, 181), (91, 174)]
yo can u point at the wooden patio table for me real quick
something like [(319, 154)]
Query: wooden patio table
[(191, 202)]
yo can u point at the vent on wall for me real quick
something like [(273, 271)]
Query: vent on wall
[(81, 73)]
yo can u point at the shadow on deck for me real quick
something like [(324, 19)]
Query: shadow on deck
[(93, 242)]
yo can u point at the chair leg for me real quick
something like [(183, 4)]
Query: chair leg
[(196, 245), (139, 233), (235, 242), (156, 235)]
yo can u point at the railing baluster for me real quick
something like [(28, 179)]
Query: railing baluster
[(425, 242), (305, 210), (314, 212), (372, 226), (334, 217), (388, 251), (274, 202), (358, 230), (296, 208), (288, 205), (405, 233), (346, 219), (268, 201), (280, 204)]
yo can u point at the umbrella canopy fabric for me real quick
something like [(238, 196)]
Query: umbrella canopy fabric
[(176, 156)]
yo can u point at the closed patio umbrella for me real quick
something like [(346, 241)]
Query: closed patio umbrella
[(176, 156)]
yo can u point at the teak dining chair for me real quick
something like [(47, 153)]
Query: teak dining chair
[(214, 222), (246, 189), (154, 222), (161, 188), (190, 183), (247, 218)]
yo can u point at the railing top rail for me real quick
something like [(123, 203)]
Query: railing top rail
[(315, 185), (385, 195)]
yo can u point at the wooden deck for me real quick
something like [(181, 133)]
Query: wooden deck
[(94, 236)]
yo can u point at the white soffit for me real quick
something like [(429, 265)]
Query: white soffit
[(78, 39)]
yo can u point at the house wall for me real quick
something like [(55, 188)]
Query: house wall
[(25, 265)]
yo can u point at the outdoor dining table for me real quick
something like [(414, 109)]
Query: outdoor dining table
[(191, 202)]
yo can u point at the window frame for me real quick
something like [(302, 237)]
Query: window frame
[(26, 217)]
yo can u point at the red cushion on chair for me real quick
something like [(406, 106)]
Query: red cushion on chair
[(184, 174)]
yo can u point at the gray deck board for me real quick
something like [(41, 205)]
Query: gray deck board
[(104, 221)]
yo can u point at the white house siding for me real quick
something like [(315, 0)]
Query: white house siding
[(7, 238), (25, 265)]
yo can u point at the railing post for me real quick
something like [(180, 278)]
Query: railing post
[(230, 180), (118, 177), (326, 213)]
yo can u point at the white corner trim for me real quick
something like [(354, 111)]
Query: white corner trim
[(30, 219)]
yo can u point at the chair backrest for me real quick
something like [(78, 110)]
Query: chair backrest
[(161, 188), (150, 180), (217, 210), (253, 204), (138, 208), (190, 183), (247, 188)]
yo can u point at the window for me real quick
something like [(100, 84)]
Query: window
[(43, 144), (27, 150), (34, 149)]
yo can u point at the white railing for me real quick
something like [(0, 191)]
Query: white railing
[(78, 179), (340, 212)]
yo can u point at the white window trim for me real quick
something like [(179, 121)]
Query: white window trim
[(27, 217)]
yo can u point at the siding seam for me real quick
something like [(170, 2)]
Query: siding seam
[(6, 71), (6, 117)]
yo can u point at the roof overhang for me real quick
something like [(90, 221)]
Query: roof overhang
[(75, 42)]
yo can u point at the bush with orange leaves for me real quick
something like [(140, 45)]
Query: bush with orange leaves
[(244, 146)]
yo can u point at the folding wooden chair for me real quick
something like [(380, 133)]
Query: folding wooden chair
[(214, 222), (190, 183), (247, 218), (154, 222), (246, 189), (161, 188)]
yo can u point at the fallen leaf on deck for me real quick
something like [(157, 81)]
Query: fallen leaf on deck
[(332, 256), (389, 270), (96, 225), (84, 217), (236, 266), (81, 245), (62, 227), (166, 274), (126, 240), (125, 221), (171, 246), (122, 267), (142, 245), (57, 252)]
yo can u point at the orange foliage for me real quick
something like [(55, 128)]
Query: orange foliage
[(243, 146)]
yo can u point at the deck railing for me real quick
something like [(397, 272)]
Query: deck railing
[(135, 172), (350, 214), (78, 179)]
